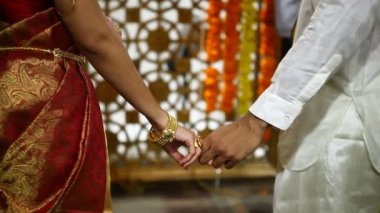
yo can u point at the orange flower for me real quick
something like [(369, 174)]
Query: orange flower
[(211, 88), (214, 53), (267, 50), (213, 47), (232, 47), (268, 43)]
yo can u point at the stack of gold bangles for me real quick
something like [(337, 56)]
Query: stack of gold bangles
[(168, 134), (165, 136)]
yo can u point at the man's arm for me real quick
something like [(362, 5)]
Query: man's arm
[(337, 28)]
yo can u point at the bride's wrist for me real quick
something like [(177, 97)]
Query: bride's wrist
[(160, 120), (163, 132)]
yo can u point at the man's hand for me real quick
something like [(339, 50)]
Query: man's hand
[(231, 143)]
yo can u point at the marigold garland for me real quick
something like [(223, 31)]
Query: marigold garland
[(268, 50), (213, 40), (231, 49), (248, 46), (214, 51), (268, 45)]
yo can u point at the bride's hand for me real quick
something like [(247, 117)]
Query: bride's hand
[(187, 138)]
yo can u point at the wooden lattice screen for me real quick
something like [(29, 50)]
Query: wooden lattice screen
[(165, 40)]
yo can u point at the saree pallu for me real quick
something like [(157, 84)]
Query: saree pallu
[(53, 154)]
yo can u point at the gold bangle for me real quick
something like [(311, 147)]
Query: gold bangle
[(165, 136)]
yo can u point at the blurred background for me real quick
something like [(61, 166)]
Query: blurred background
[(205, 61)]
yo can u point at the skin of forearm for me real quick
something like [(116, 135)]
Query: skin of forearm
[(102, 46), (111, 60)]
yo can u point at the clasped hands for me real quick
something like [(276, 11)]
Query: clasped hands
[(226, 146)]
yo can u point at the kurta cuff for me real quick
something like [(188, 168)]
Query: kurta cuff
[(275, 110)]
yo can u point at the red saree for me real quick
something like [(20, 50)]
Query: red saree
[(52, 147)]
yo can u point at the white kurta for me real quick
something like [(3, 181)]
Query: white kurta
[(341, 181), (329, 78)]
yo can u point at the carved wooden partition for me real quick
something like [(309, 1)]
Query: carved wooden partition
[(165, 39)]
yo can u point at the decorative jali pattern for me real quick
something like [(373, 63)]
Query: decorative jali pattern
[(165, 39)]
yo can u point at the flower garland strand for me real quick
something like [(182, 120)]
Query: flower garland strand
[(231, 49), (248, 46), (268, 50), (214, 52), (268, 45)]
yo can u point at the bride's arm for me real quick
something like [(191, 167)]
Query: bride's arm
[(101, 45)]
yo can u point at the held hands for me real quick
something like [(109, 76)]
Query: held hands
[(231, 143), (226, 146)]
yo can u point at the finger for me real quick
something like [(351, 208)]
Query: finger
[(191, 147), (176, 156), (208, 153), (209, 163), (193, 158), (207, 156), (219, 161), (172, 150), (205, 145), (230, 164), (192, 150), (198, 152), (186, 159)]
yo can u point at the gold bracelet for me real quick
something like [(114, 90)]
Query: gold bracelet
[(165, 136)]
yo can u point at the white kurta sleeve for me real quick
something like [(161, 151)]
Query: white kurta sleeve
[(336, 29)]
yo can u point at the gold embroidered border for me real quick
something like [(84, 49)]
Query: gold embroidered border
[(56, 52)]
